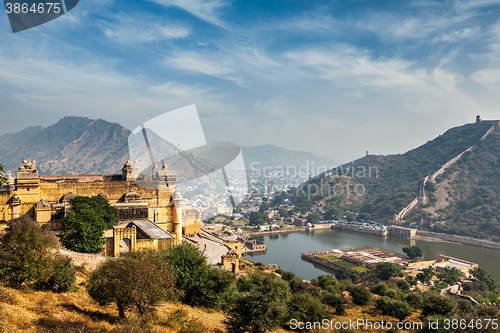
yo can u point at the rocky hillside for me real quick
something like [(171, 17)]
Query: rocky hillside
[(464, 200), (77, 145)]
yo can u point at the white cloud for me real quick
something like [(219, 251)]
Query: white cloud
[(487, 76), (196, 63), (206, 10), (350, 67), (182, 90), (130, 30)]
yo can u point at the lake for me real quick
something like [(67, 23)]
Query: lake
[(285, 249)]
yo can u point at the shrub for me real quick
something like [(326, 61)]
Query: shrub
[(415, 299), (28, 259), (393, 308), (335, 301), (63, 275), (305, 307), (263, 308), (403, 285), (142, 279), (325, 282), (301, 286), (199, 283), (438, 305), (386, 270), (360, 295)]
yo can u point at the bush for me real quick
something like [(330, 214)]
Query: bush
[(305, 307), (300, 286), (141, 278), (403, 285), (63, 276), (199, 283), (393, 308), (438, 305), (360, 295), (415, 299), (180, 322), (335, 301), (345, 274), (386, 270), (263, 308), (28, 259), (383, 289), (325, 282)]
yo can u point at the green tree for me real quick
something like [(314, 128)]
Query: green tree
[(142, 279), (360, 295), (345, 274), (109, 214), (450, 275), (29, 259), (304, 307), (386, 270), (336, 301), (257, 218), (483, 275), (403, 285), (435, 304), (394, 308), (2, 179), (430, 186), (83, 231), (262, 309), (426, 274), (413, 252), (199, 283)]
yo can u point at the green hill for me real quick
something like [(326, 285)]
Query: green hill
[(464, 200)]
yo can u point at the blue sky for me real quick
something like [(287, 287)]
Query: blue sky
[(335, 78)]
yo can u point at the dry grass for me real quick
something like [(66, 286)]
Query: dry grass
[(38, 312)]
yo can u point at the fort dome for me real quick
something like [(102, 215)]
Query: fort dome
[(68, 197), (132, 196)]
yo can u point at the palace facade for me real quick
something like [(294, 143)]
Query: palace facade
[(47, 198)]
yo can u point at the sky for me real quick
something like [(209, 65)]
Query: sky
[(335, 78)]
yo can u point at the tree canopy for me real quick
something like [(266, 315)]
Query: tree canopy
[(257, 218), (386, 270), (109, 214), (142, 279), (413, 252), (82, 229), (199, 283), (28, 259), (2, 179), (261, 309)]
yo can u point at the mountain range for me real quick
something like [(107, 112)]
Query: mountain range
[(259, 157), (78, 145)]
